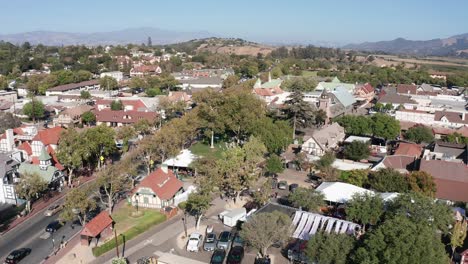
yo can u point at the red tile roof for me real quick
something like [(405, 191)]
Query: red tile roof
[(98, 224), (164, 185), (49, 136), (137, 104), (26, 147), (407, 89), (399, 162), (408, 149), (146, 68), (124, 117), (451, 178), (367, 88)]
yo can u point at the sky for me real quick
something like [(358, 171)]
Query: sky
[(300, 21)]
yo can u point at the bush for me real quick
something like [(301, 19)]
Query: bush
[(357, 150), (145, 224), (388, 180)]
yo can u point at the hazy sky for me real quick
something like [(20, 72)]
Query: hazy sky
[(342, 21)]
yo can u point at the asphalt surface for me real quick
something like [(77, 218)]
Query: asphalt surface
[(29, 234)]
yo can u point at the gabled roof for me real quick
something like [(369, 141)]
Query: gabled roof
[(396, 99), (163, 184), (367, 88), (452, 117), (408, 149), (136, 104), (47, 174), (342, 95), (26, 147), (49, 136), (98, 224), (71, 86), (121, 116), (397, 162), (329, 135), (407, 89)]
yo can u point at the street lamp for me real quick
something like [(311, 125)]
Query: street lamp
[(136, 204), (184, 221)]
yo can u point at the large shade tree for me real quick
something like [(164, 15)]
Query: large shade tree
[(330, 248), (298, 111)]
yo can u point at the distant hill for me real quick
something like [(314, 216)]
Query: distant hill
[(454, 46), (233, 46), (130, 35)]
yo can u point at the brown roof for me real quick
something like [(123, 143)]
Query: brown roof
[(451, 178), (408, 149), (98, 224), (164, 185), (71, 86), (136, 104), (396, 99), (400, 162), (407, 89), (77, 111), (26, 147), (124, 117), (367, 88), (452, 117)]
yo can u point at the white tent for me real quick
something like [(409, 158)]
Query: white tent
[(183, 160), (340, 192), (308, 224)]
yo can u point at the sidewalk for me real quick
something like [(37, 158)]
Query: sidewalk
[(38, 206)]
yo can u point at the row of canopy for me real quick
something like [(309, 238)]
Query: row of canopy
[(308, 224)]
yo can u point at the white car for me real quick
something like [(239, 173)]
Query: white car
[(194, 242)]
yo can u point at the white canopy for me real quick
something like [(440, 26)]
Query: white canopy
[(183, 160), (340, 192)]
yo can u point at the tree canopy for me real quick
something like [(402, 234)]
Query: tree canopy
[(308, 199), (357, 150), (330, 248), (419, 134)]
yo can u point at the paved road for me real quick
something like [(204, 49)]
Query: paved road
[(28, 235)]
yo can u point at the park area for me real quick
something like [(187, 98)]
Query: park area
[(129, 223), (202, 149)]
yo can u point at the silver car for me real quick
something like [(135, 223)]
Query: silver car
[(224, 240), (210, 242), (53, 209)]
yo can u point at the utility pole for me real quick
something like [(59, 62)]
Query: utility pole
[(116, 242)]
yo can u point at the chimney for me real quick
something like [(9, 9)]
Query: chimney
[(10, 140), (164, 168), (463, 116)]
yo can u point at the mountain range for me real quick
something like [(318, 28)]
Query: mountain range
[(125, 36), (452, 46)]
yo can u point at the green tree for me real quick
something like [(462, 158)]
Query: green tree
[(456, 138), (152, 92), (357, 150), (34, 109), (422, 210), (117, 105), (111, 181), (330, 248), (274, 164), (388, 180), (263, 194), (85, 95), (301, 84), (355, 125), (7, 121), (276, 135), (378, 107), (355, 177), (77, 204), (197, 205), (230, 81), (419, 134), (108, 83), (326, 160), (298, 111), (265, 229), (395, 242), (88, 117), (308, 199), (100, 142), (385, 126), (29, 187), (209, 103), (125, 133), (71, 152), (366, 209), (458, 235), (320, 117), (422, 182)]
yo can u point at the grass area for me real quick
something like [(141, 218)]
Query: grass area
[(203, 149), (129, 227), (309, 73)]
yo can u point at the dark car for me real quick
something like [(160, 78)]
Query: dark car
[(238, 241), (53, 226), (235, 255), (218, 256), (17, 255), (265, 260), (293, 187)]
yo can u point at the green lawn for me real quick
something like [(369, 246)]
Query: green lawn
[(203, 150), (129, 227), (309, 73)]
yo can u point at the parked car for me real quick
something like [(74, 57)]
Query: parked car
[(218, 256), (194, 242), (224, 240), (53, 210), (282, 185), (210, 242), (293, 187), (17, 255), (53, 226), (265, 260), (235, 255), (238, 241)]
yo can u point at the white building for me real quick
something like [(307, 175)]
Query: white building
[(118, 75)]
